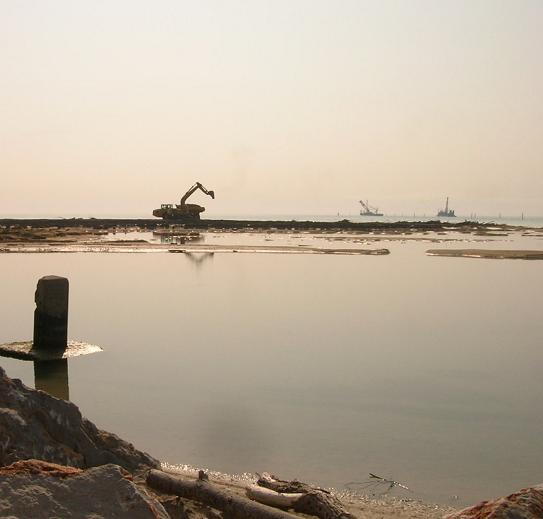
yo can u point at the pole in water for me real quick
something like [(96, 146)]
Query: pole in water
[(51, 313), (50, 348)]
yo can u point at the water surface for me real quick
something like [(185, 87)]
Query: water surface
[(325, 368)]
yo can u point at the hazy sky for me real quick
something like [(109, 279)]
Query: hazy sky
[(280, 106)]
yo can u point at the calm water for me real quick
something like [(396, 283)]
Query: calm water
[(424, 369)]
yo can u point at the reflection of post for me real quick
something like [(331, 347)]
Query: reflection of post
[(51, 376), (51, 314), (199, 258)]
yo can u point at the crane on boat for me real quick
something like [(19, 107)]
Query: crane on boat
[(368, 210)]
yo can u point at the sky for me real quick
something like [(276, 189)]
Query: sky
[(112, 107)]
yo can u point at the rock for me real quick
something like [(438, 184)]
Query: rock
[(36, 489), (179, 508), (35, 425), (524, 504)]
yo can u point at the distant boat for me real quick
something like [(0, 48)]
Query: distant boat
[(368, 210), (446, 212)]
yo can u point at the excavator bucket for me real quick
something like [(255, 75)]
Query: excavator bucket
[(212, 194)]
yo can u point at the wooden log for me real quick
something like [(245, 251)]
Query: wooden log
[(271, 497), (232, 505), (314, 501)]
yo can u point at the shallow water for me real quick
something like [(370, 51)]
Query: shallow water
[(325, 368)]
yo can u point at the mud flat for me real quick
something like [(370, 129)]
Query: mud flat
[(174, 239), (102, 235), (487, 253)]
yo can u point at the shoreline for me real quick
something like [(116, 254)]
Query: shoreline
[(89, 235), (367, 506)]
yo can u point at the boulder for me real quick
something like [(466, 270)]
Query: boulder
[(524, 504), (36, 425), (40, 490)]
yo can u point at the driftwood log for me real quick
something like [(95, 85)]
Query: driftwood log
[(232, 505), (270, 497), (314, 501)]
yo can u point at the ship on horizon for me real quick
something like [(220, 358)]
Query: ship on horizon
[(368, 210), (446, 212)]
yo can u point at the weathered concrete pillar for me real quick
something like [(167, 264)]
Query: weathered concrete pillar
[(51, 314)]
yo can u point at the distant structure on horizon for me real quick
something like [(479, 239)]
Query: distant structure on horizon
[(446, 212), (368, 210)]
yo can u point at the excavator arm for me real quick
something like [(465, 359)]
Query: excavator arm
[(193, 189)]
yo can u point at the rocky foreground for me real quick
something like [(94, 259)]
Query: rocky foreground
[(39, 489), (54, 463)]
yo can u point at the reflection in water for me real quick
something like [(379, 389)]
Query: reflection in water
[(178, 238), (199, 258), (51, 376)]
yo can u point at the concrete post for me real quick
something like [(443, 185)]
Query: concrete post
[(51, 314)]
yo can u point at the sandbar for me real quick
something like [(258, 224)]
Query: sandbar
[(488, 253)]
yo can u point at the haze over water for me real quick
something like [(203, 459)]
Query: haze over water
[(285, 107), (325, 368)]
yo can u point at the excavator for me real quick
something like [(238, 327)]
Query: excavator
[(183, 211)]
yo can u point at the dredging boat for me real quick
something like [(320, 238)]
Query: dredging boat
[(368, 210), (446, 212)]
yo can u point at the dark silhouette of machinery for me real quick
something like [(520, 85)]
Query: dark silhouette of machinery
[(446, 212), (183, 211), (368, 210)]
